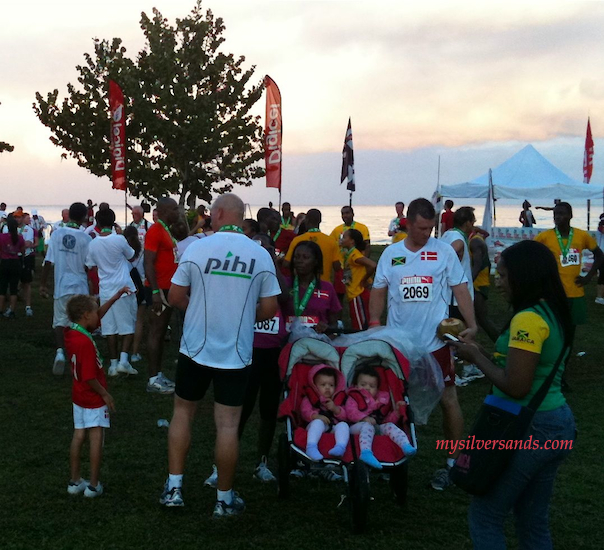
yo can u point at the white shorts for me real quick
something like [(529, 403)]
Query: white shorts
[(90, 418), (59, 314), (121, 316)]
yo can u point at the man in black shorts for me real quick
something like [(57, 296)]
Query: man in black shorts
[(224, 284)]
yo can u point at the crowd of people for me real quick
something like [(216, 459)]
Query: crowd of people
[(237, 285)]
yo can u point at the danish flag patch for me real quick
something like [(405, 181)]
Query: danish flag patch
[(429, 256)]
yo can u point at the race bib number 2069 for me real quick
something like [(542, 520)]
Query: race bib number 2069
[(417, 288)]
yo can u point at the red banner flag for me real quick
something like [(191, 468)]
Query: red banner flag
[(273, 134), (588, 158), (118, 136)]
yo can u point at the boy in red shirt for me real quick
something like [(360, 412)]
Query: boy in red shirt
[(91, 400)]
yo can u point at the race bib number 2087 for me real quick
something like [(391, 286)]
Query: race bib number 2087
[(417, 288)]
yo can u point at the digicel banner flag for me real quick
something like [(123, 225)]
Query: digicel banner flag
[(118, 136), (272, 134)]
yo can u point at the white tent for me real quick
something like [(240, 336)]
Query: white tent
[(526, 175)]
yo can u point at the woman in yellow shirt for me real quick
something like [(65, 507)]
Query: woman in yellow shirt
[(357, 274)]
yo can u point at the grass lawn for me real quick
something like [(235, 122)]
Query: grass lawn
[(37, 512)]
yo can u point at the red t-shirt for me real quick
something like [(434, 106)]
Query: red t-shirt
[(447, 220), (85, 366), (159, 241), (285, 239)]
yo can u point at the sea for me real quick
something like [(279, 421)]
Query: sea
[(377, 218)]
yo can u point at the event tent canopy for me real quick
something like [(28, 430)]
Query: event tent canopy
[(526, 175)]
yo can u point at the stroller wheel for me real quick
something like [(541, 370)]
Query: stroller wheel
[(359, 496), (284, 455), (399, 482)]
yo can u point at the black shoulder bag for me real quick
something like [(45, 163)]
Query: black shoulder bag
[(500, 428)]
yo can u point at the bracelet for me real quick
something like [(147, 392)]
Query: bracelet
[(156, 291)]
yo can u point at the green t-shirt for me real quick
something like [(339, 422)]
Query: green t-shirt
[(535, 330)]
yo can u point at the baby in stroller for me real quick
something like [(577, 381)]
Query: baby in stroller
[(323, 409), (373, 411)]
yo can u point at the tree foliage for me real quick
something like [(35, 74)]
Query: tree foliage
[(189, 127), (6, 146)]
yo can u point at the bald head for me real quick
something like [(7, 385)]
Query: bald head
[(227, 209)]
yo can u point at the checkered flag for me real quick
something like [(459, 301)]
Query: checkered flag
[(348, 161)]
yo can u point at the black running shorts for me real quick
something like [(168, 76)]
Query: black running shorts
[(193, 380)]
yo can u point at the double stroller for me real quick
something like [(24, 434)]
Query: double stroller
[(295, 363)]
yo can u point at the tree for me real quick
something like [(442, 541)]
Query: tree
[(189, 127), (6, 146)]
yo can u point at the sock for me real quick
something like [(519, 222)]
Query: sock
[(369, 458), (152, 379), (313, 452), (160, 374), (174, 480), (123, 357), (113, 363), (60, 351), (225, 496), (450, 462), (338, 450)]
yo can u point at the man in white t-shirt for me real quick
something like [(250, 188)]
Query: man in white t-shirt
[(62, 222), (111, 254), (67, 251), (29, 260), (224, 283), (417, 276), (142, 225)]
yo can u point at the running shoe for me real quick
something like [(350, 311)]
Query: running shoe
[(329, 475), (58, 367), (7, 312), (262, 473), (136, 357), (440, 480), (159, 386), (166, 381), (222, 509), (213, 479), (29, 312), (93, 492), (172, 498), (600, 301), (112, 371), (460, 382), (298, 473), (471, 372), (77, 487), (126, 368)]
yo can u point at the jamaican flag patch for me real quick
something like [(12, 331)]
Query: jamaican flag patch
[(401, 260)]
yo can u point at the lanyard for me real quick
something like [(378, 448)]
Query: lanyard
[(73, 225), (235, 228), (564, 249), (347, 255), (286, 223), (299, 307), (82, 330), (276, 234), (313, 230), (106, 230), (168, 230)]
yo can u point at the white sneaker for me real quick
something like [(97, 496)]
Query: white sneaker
[(212, 481), (92, 492), (600, 301), (136, 357), (58, 367), (126, 368), (159, 386), (77, 487), (460, 382), (471, 372), (166, 381), (113, 371), (262, 473), (29, 312)]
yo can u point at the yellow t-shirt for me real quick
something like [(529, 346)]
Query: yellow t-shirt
[(341, 229), (483, 278), (582, 240), (354, 274), (399, 236), (329, 247)]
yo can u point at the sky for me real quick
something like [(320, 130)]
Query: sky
[(469, 82)]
